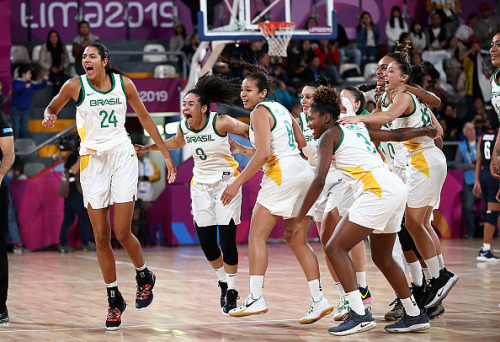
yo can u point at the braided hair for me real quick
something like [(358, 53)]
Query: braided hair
[(216, 89)]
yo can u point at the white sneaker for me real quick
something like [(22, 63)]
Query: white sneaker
[(342, 309), (317, 310), (250, 306)]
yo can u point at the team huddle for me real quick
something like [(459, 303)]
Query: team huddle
[(362, 175)]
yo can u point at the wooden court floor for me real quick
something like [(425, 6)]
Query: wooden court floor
[(61, 297)]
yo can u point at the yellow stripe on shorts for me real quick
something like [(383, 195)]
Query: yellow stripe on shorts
[(369, 182), (418, 162), (274, 171), (84, 162)]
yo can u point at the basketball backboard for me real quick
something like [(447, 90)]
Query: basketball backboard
[(238, 19)]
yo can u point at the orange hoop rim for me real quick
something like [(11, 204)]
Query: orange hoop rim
[(277, 24)]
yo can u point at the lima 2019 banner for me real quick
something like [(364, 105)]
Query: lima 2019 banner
[(154, 19)]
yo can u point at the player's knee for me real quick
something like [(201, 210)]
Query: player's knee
[(492, 217)]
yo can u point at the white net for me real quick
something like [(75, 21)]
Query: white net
[(277, 34)]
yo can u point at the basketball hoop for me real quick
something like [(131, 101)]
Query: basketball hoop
[(277, 34)]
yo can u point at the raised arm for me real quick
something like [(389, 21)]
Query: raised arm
[(177, 141), (70, 89), (150, 126), (236, 147), (297, 132), (401, 105), (226, 124), (402, 134), (426, 96)]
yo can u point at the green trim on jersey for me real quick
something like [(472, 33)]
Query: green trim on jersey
[(201, 129), (341, 138), (83, 92), (112, 76), (180, 127), (215, 129), (300, 121), (123, 85), (414, 107), (382, 100), (364, 112), (270, 111), (495, 77)]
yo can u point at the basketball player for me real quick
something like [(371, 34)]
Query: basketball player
[(273, 132), (205, 133), (109, 166)]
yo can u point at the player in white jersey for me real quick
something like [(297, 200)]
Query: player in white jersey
[(205, 134), (109, 166), (335, 199), (495, 101), (379, 195), (425, 175), (277, 139)]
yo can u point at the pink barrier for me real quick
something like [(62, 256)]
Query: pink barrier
[(40, 210)]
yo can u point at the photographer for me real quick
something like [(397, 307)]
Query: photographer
[(71, 190), (80, 42)]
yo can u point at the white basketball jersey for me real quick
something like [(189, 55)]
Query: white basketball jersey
[(100, 116), (311, 149), (348, 106), (282, 138), (211, 151), (419, 117), (495, 92), (388, 148), (356, 156)]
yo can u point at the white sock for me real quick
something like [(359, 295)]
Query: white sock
[(256, 285), (339, 287), (486, 246), (410, 306), (232, 280), (427, 274), (221, 274), (441, 261), (361, 279), (416, 273), (355, 302), (113, 284), (142, 268), (315, 288), (433, 265)]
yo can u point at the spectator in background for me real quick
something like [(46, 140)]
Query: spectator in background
[(148, 174), (431, 82), (298, 59), (472, 89), (279, 93), (465, 32), (418, 38), (313, 70), (22, 94), (346, 48), (370, 106), (367, 34), (251, 52), (436, 34), (83, 38), (486, 27), (190, 49), (452, 122), (54, 61), (465, 159), (395, 26), (448, 11), (329, 57), (453, 66), (73, 206), (178, 40)]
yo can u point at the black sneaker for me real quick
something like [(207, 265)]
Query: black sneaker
[(420, 294), (439, 288), (396, 313), (4, 316), (354, 323), (366, 296), (230, 301), (115, 311), (145, 284), (409, 324), (486, 256), (223, 291), (435, 312)]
